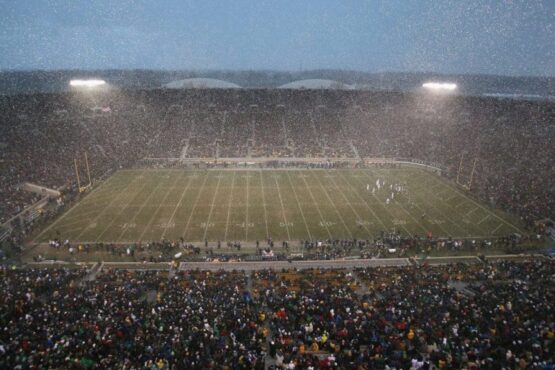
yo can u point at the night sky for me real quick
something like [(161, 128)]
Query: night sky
[(442, 36)]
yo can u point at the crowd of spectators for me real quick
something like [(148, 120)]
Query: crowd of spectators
[(15, 201), (128, 320), (497, 315), (510, 141)]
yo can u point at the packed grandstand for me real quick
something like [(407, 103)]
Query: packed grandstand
[(491, 315)]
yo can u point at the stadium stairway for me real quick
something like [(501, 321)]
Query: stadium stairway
[(354, 149), (184, 150), (94, 271)]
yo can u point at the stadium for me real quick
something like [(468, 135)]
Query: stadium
[(272, 189), (178, 191)]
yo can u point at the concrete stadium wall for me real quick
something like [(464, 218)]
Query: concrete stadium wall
[(314, 160), (41, 190), (299, 265)]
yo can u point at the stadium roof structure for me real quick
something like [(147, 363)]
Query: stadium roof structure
[(201, 83), (316, 84)]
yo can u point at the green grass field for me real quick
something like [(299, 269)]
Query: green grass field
[(250, 204)]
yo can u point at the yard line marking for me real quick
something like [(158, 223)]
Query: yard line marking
[(315, 204), (76, 220), (151, 220), (334, 206), (95, 201), (349, 203), (101, 186), (264, 204), (229, 205), (453, 208), (139, 204), (439, 195), (483, 219), (445, 231), (195, 205), (118, 213), (363, 201), (140, 209), (103, 211), (434, 186), (457, 224), (80, 217), (247, 213), (72, 230), (283, 212), (471, 212), (403, 208), (108, 190), (212, 206), (440, 211), (177, 206), (497, 228), (482, 207)]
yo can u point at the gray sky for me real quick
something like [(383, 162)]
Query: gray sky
[(443, 36)]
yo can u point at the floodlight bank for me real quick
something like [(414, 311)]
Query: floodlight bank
[(87, 83), (440, 86)]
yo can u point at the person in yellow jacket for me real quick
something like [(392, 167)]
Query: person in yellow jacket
[(160, 363)]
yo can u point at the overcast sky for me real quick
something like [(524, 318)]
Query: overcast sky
[(443, 36)]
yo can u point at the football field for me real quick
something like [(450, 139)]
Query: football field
[(253, 204)]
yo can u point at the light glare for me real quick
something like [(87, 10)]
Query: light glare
[(87, 83), (447, 86)]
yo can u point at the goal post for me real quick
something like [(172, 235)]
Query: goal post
[(464, 173), (472, 173), (78, 176)]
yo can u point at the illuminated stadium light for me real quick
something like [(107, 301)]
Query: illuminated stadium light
[(87, 83), (440, 86)]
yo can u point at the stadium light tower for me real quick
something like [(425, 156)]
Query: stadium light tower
[(440, 86), (87, 83)]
